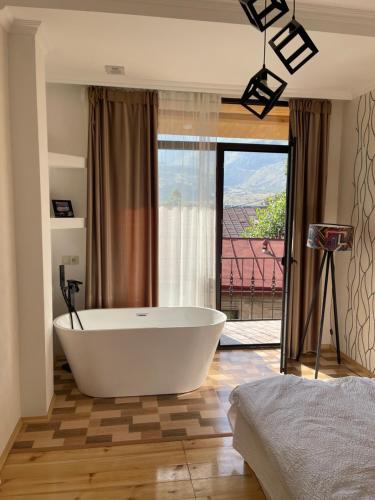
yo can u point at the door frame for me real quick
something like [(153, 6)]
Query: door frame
[(288, 255), (222, 148)]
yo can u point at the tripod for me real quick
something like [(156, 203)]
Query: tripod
[(328, 262)]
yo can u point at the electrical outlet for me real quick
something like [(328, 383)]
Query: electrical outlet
[(74, 260), (66, 260)]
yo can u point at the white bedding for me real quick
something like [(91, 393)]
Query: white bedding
[(319, 436)]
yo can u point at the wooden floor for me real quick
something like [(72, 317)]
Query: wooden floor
[(78, 421), (177, 470), (207, 468)]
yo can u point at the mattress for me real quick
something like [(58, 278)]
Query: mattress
[(308, 439), (248, 443)]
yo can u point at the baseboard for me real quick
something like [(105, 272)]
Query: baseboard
[(10, 443), (43, 418), (356, 367), (17, 429)]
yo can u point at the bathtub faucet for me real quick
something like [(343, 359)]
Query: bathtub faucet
[(69, 291), (73, 287)]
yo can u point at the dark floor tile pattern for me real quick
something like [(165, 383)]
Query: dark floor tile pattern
[(78, 420)]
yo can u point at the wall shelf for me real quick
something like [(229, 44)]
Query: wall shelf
[(57, 160), (68, 223)]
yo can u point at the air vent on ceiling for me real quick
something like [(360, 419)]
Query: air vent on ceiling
[(114, 70)]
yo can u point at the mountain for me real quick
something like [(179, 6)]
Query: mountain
[(249, 178)]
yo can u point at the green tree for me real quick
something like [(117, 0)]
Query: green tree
[(270, 220), (175, 198)]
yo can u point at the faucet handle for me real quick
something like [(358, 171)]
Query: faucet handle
[(74, 285), (75, 282)]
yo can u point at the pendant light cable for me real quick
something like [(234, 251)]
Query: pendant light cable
[(294, 9), (265, 36), (264, 48)]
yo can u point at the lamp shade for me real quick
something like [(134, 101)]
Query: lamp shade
[(293, 46), (261, 15), (330, 237), (265, 88)]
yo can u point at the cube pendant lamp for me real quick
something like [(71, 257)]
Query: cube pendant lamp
[(303, 47), (259, 93), (265, 87), (293, 46), (263, 16)]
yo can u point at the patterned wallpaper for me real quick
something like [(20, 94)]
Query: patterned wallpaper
[(359, 334)]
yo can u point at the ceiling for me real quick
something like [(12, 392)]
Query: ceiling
[(123, 6), (190, 54), (349, 4), (322, 15)]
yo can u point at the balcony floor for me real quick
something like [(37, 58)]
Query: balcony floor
[(251, 332)]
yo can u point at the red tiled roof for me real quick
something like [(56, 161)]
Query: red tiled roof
[(235, 220), (244, 260)]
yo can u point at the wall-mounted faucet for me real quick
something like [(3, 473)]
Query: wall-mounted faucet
[(69, 291)]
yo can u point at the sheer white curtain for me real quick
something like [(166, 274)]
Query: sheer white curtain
[(187, 198)]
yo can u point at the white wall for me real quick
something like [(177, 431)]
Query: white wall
[(33, 240), (10, 407), (67, 118)]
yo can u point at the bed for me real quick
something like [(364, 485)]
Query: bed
[(308, 440)]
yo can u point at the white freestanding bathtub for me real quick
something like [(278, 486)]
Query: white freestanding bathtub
[(141, 351)]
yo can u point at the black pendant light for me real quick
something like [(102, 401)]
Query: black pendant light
[(263, 17), (263, 90), (304, 48)]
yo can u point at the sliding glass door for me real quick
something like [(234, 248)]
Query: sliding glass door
[(251, 224)]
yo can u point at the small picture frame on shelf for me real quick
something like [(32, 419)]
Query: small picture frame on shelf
[(62, 208)]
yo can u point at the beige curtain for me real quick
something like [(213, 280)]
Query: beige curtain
[(122, 232), (309, 120), (187, 204)]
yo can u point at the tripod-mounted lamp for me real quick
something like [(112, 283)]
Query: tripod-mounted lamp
[(330, 238)]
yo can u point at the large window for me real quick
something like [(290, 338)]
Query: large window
[(188, 144), (178, 147)]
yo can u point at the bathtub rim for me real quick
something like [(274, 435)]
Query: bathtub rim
[(222, 315)]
